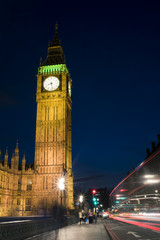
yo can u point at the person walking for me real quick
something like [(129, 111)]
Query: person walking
[(90, 216), (80, 217)]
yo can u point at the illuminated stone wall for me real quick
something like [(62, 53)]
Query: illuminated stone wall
[(53, 142), (16, 182), (23, 190)]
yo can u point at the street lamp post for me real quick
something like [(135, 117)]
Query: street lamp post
[(61, 186), (81, 200)]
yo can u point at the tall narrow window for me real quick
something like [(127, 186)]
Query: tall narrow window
[(1, 178), (43, 182), (19, 183), (28, 204), (29, 183), (52, 182)]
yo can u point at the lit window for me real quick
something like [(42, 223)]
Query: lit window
[(29, 183)]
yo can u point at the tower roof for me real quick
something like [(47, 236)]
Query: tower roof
[(55, 54)]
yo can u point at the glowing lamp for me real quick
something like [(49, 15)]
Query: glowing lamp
[(61, 183), (81, 198), (94, 191)]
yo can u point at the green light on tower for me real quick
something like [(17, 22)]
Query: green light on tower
[(53, 69)]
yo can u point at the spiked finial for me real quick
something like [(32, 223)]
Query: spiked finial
[(6, 158), (56, 27), (6, 151), (23, 162), (17, 144), (55, 52), (40, 61), (17, 149), (24, 157)]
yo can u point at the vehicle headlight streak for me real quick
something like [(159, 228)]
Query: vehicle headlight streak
[(142, 164)]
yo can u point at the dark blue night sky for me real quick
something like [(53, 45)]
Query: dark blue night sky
[(113, 53)]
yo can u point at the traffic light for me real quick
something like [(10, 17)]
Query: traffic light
[(94, 200), (94, 191)]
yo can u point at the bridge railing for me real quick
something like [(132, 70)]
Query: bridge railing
[(22, 230)]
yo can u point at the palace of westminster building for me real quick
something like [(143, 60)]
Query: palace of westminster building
[(27, 189)]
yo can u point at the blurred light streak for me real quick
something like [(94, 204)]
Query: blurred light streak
[(149, 176), (150, 181), (140, 224), (123, 190), (144, 218), (136, 189), (143, 163), (15, 221)]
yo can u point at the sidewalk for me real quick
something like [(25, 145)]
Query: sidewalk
[(84, 231)]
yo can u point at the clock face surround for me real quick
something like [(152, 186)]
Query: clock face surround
[(51, 83)]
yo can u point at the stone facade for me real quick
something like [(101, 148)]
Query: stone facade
[(24, 189), (16, 185)]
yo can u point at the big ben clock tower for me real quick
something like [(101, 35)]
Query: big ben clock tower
[(53, 148)]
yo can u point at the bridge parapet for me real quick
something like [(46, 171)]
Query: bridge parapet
[(22, 230)]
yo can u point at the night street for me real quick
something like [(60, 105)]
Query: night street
[(121, 230)]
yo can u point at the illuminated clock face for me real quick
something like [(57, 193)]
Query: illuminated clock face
[(69, 88), (51, 83)]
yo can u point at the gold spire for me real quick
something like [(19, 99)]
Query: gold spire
[(6, 157), (23, 162), (6, 154), (24, 157)]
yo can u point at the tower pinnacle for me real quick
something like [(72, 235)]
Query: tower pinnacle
[(6, 158), (17, 149), (55, 54)]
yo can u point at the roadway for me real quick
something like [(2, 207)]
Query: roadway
[(133, 227)]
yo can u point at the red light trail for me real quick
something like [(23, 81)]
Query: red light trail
[(140, 224), (142, 164), (137, 189)]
